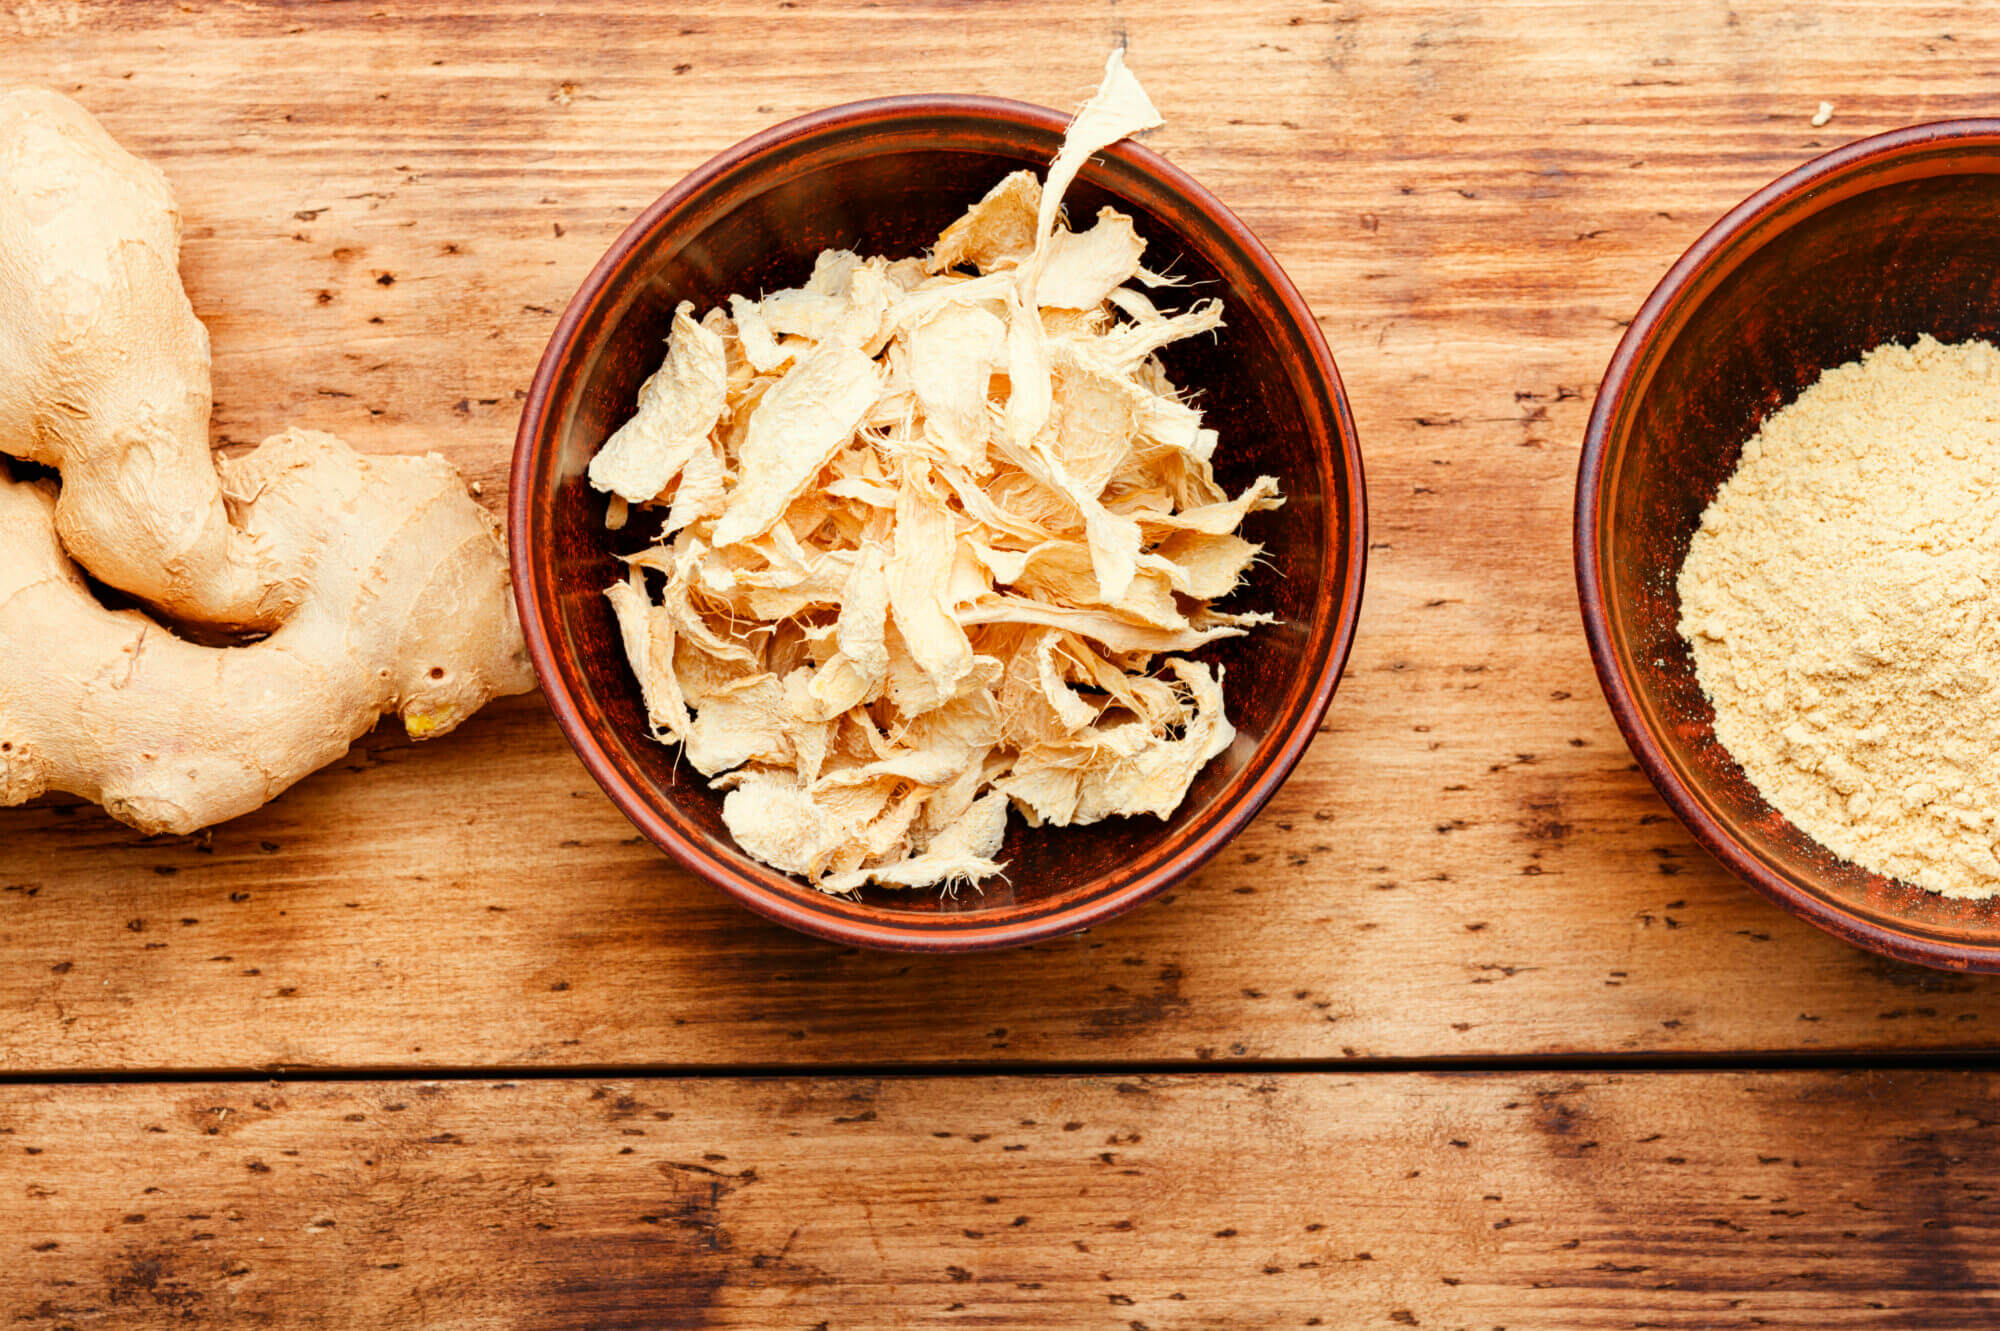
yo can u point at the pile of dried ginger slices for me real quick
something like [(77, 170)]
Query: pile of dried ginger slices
[(932, 541)]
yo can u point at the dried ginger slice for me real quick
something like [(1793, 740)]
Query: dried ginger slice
[(1155, 778), (1208, 565), (678, 408), (1114, 539), (778, 823), (647, 632), (1117, 109), (997, 232), (1085, 267), (924, 555), (1059, 572), (855, 672), (962, 853), (952, 357), (1128, 347), (1120, 635), (1095, 416), (745, 721), (800, 424), (918, 570)]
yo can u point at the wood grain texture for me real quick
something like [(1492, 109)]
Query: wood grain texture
[(1714, 1201), (387, 208)]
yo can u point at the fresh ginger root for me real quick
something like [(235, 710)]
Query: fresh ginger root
[(406, 608), (381, 583), (104, 371)]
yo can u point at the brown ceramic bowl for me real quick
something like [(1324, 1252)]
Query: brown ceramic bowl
[(885, 177), (1879, 241)]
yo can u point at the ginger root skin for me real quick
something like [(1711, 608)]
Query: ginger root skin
[(379, 583), (104, 371), (396, 615)]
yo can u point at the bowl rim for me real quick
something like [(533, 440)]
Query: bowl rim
[(1716, 247), (1351, 518)]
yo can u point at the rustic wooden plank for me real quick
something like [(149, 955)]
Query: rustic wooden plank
[(1712, 1201), (388, 205)]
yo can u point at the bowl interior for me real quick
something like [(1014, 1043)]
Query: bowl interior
[(1877, 244), (885, 180)]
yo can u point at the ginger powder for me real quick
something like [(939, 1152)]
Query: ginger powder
[(1842, 599)]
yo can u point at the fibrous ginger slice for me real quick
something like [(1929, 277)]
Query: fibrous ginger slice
[(961, 853), (1217, 519), (800, 424), (1099, 625), (648, 635), (753, 331), (1155, 776), (919, 572), (952, 357), (1152, 700), (1064, 574), (1085, 267), (678, 408), (1128, 347), (846, 300), (744, 721), (998, 231), (855, 673), (1094, 418), (1119, 108), (775, 821), (1207, 564)]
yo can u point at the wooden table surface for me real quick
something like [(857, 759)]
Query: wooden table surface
[(1465, 1031)]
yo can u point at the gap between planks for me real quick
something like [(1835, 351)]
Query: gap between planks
[(1746, 1062)]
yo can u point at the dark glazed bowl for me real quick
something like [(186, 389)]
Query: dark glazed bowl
[(1876, 242), (885, 177)]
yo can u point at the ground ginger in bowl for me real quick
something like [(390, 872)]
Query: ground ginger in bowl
[(935, 536), (1842, 602)]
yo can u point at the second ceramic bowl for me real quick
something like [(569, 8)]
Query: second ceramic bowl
[(1880, 241)]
